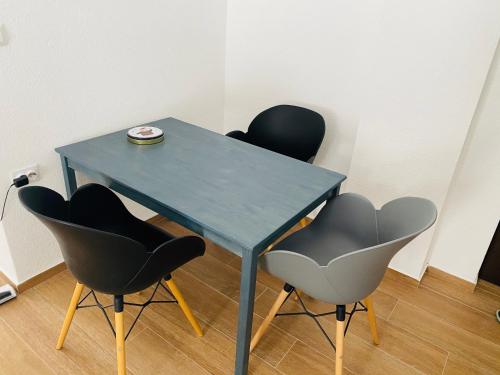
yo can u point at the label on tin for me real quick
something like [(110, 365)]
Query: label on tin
[(145, 132)]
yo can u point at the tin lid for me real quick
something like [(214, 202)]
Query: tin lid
[(145, 133)]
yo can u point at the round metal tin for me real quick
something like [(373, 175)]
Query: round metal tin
[(145, 135)]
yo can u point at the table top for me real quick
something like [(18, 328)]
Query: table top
[(238, 195)]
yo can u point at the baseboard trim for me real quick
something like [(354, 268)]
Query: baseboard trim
[(446, 277), (396, 275), (489, 287), (5, 280), (41, 277)]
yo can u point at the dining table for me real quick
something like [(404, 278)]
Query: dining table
[(240, 196)]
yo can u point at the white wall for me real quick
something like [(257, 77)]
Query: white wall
[(426, 63), (288, 51), (76, 69), (397, 82), (472, 208)]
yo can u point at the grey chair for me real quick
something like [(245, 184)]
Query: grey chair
[(341, 257)]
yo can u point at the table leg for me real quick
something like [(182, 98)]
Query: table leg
[(69, 177), (247, 295)]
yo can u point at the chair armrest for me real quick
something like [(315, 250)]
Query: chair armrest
[(297, 270), (178, 251), (237, 134), (165, 259)]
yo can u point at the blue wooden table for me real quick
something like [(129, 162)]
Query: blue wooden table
[(239, 196)]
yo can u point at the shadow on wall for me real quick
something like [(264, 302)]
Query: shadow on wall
[(4, 36)]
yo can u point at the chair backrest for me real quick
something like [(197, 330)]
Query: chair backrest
[(289, 130), (101, 260), (350, 222), (356, 274)]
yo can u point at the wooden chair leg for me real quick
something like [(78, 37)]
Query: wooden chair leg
[(120, 336), (69, 314), (184, 306), (372, 319), (269, 248), (287, 289), (339, 340), (303, 222)]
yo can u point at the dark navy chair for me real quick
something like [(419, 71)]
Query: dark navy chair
[(110, 251), (289, 130)]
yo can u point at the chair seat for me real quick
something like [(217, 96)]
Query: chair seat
[(96, 207), (147, 234), (318, 246)]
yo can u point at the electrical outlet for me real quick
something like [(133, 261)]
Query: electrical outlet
[(32, 172)]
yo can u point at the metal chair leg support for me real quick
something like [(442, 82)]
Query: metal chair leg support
[(282, 297), (69, 314), (120, 336), (339, 339)]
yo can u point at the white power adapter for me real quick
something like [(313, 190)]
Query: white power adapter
[(7, 293)]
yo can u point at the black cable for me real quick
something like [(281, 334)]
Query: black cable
[(5, 200)]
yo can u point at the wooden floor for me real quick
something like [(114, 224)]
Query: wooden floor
[(438, 327)]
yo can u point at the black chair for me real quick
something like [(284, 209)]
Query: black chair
[(110, 251), (287, 129)]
